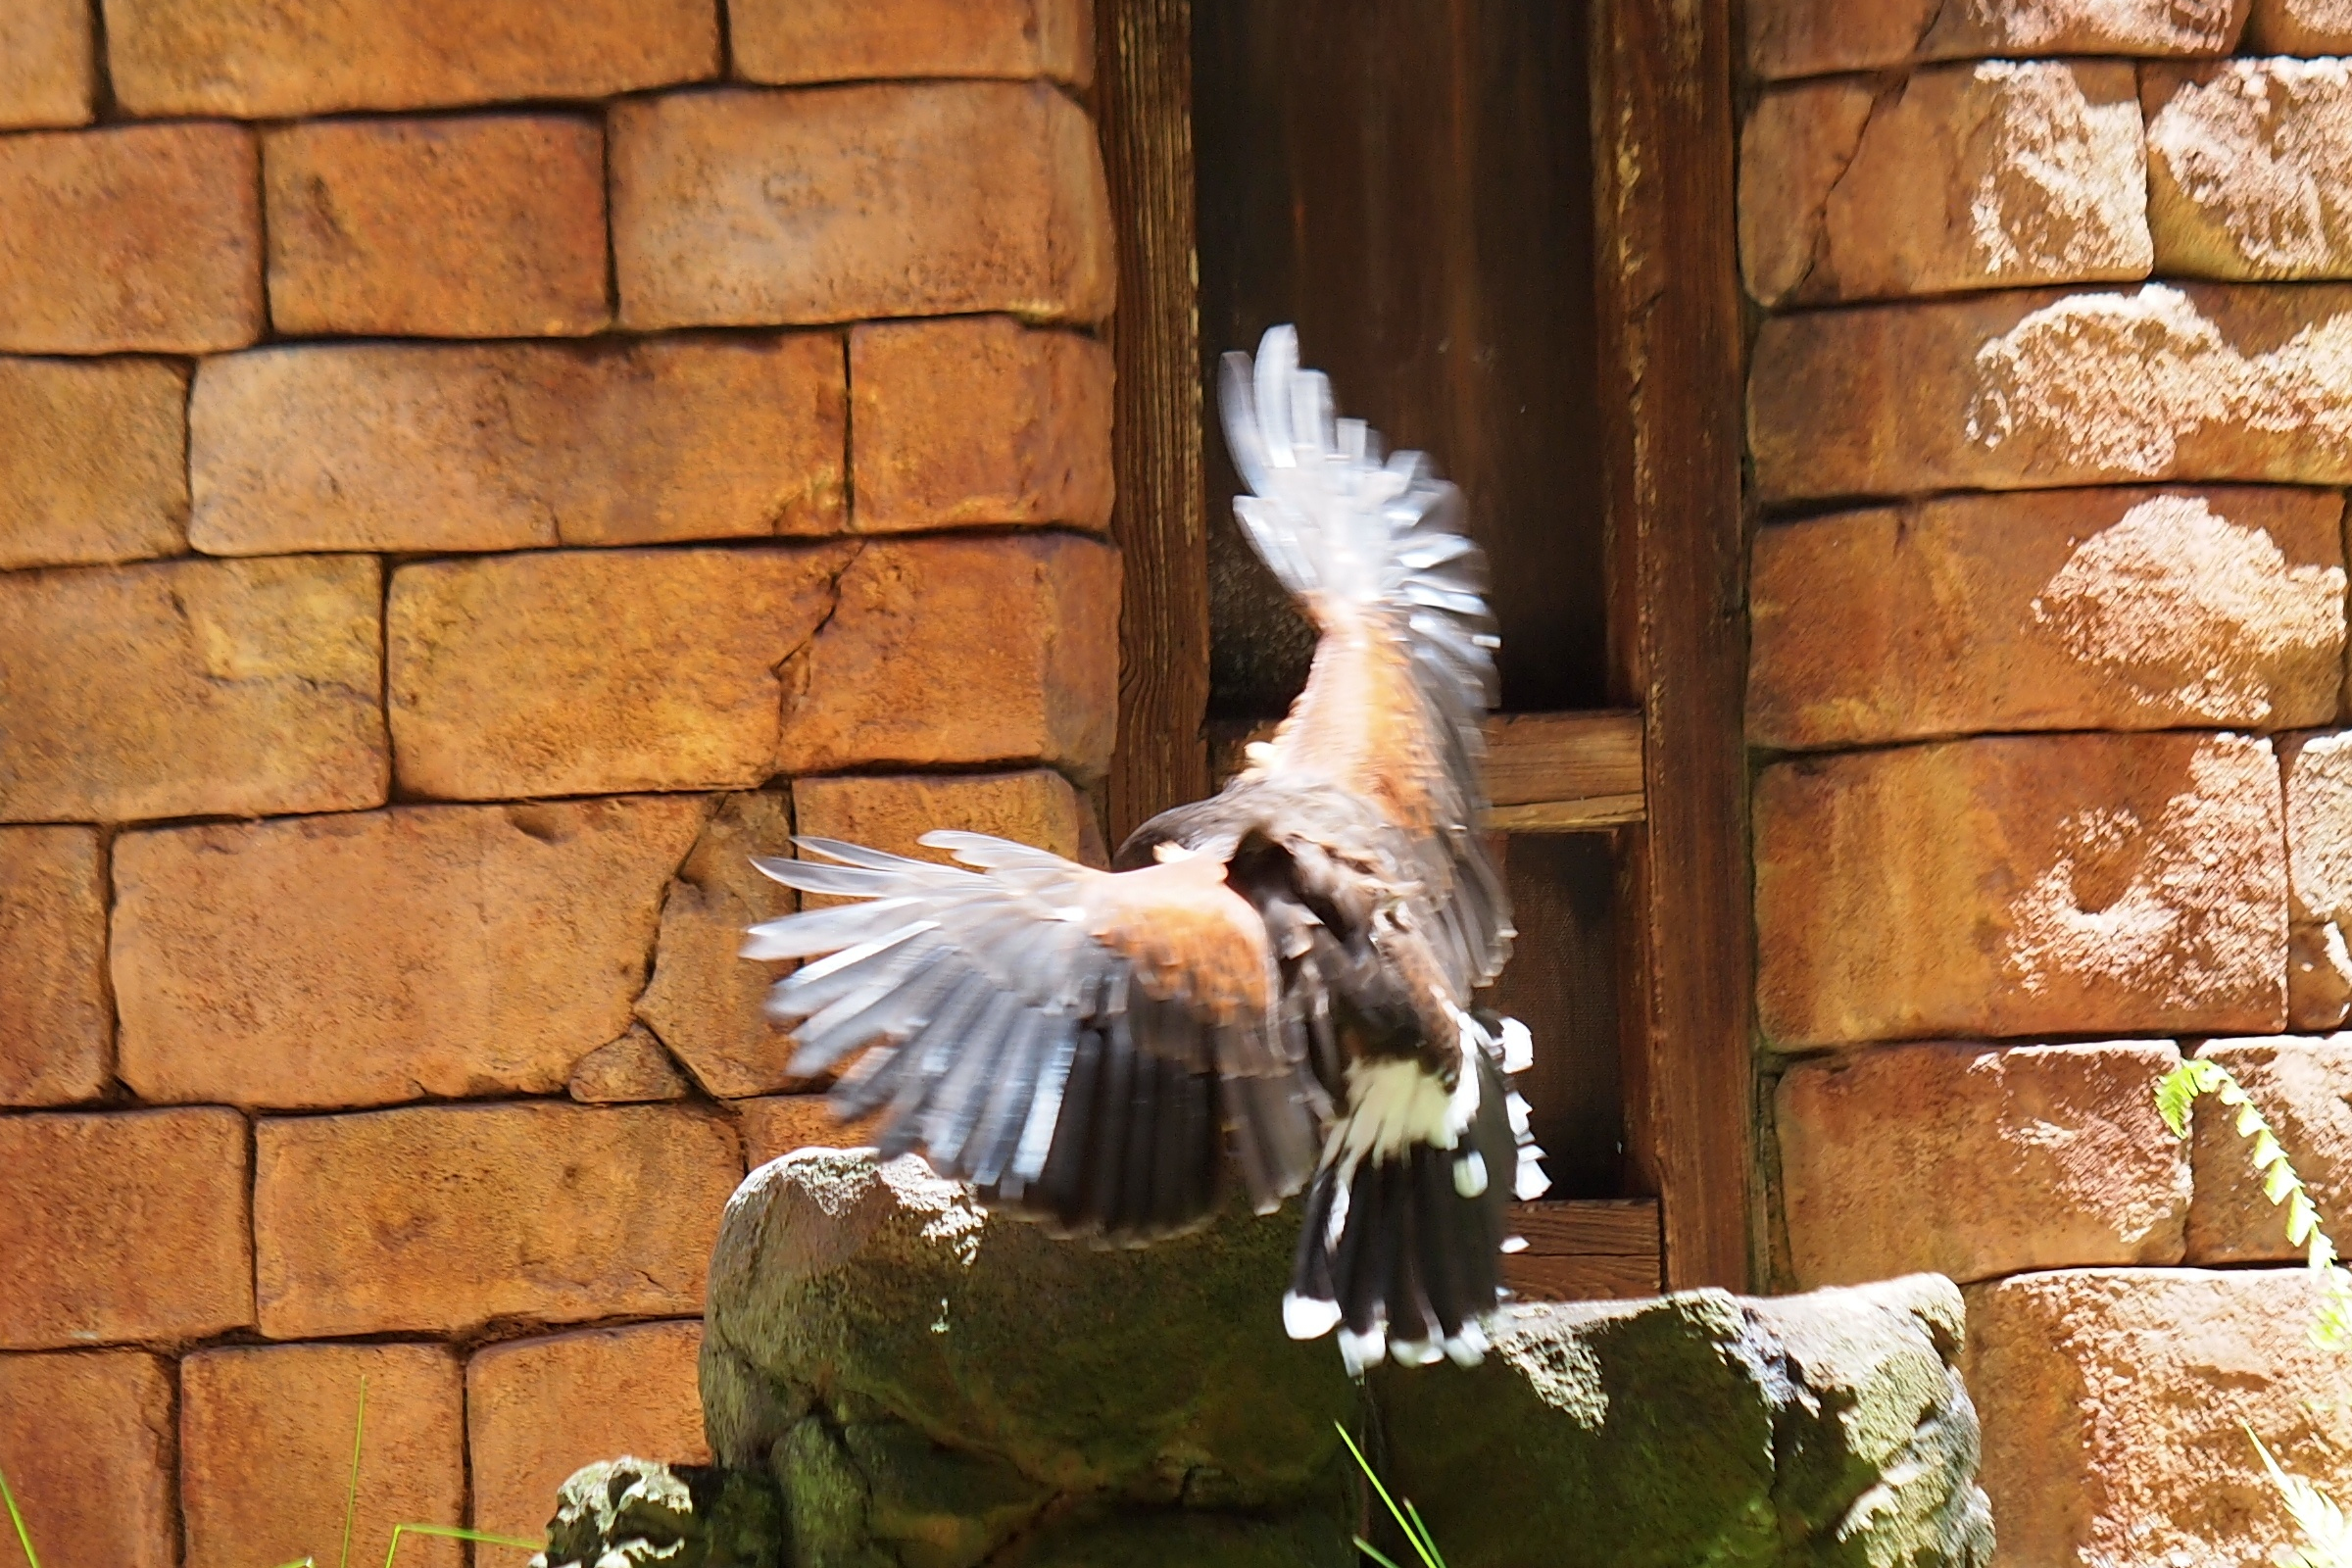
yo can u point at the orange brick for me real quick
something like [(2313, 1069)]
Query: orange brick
[(2303, 1088), (776, 1125), (444, 1218), (1814, 37), (536, 1410), (131, 238), (265, 1439), (570, 672), (364, 958), (2299, 28), (428, 447), (2210, 129), (124, 1226), (190, 688), (979, 421), (856, 40), (486, 227), (1036, 807), (96, 467), (951, 651), (309, 56), (86, 1444), (55, 1028), (45, 64), (628, 1069), (743, 208), (2110, 884)]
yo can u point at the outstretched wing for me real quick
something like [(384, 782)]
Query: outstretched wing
[(1083, 1046), (1404, 670)]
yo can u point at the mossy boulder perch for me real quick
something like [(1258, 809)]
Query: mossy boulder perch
[(901, 1380)]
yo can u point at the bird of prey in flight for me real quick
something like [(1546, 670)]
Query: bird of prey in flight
[(1275, 982)]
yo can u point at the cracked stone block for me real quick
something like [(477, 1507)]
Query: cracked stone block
[(506, 446), (631, 1070), (852, 40), (598, 671), (2035, 390), (2300, 27), (2303, 1088), (47, 75), (1991, 176), (372, 958), (2107, 609), (2246, 176), (776, 1125), (56, 1029), (88, 1442), (2119, 885), (1815, 37), (96, 471)]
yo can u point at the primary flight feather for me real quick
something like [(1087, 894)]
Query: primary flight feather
[(1275, 981)]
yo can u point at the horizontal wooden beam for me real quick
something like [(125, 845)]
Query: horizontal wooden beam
[(1585, 1249)]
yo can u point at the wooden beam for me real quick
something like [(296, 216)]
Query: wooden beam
[(1584, 1251), (1667, 294), (1143, 73)]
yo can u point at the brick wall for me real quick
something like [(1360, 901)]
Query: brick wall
[(472, 475), (2051, 421)]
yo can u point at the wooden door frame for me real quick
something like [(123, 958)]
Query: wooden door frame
[(1671, 352)]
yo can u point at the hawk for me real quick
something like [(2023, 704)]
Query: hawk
[(1275, 982)]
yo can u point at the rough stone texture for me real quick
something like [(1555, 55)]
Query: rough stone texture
[(491, 225), (312, 56), (2116, 1403), (742, 208), (131, 238), (1974, 1160), (854, 40), (641, 1513), (536, 1410), (1990, 176), (979, 421), (2300, 27), (191, 688), (2303, 1088), (2103, 608), (2246, 174), (46, 74), (265, 1451), (632, 1069), (368, 958), (87, 1446), (779, 1124), (703, 1000), (56, 1031), (96, 469), (1821, 1429), (1036, 806), (2035, 390), (1813, 37), (2119, 884), (417, 447), (586, 672), (128, 1226), (442, 1218), (2318, 878), (949, 651)]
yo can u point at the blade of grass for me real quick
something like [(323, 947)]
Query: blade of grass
[(454, 1532), (1374, 1552), (1425, 1547), (351, 1495), (24, 1536)]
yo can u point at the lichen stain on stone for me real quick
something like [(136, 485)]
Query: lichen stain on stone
[(2258, 150), (2045, 201), (2192, 611)]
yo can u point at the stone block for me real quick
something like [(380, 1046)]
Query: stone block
[(2082, 884), (191, 688), (1814, 37), (629, 1070), (703, 1000), (2303, 1088), (266, 1457), (1036, 806), (2108, 609), (536, 1410), (2300, 27), (1848, 195), (2244, 177), (124, 1227), (2116, 1405), (954, 651), (440, 1219), (131, 238), (87, 1445), (489, 226), (589, 671), (743, 208), (46, 72), (776, 1125), (417, 446), (2319, 877), (314, 57), (1973, 1161), (370, 958), (56, 1029), (851, 40), (979, 421), (2034, 390), (97, 469)]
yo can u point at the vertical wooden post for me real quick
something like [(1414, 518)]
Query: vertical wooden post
[(1671, 367), (1143, 87)]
